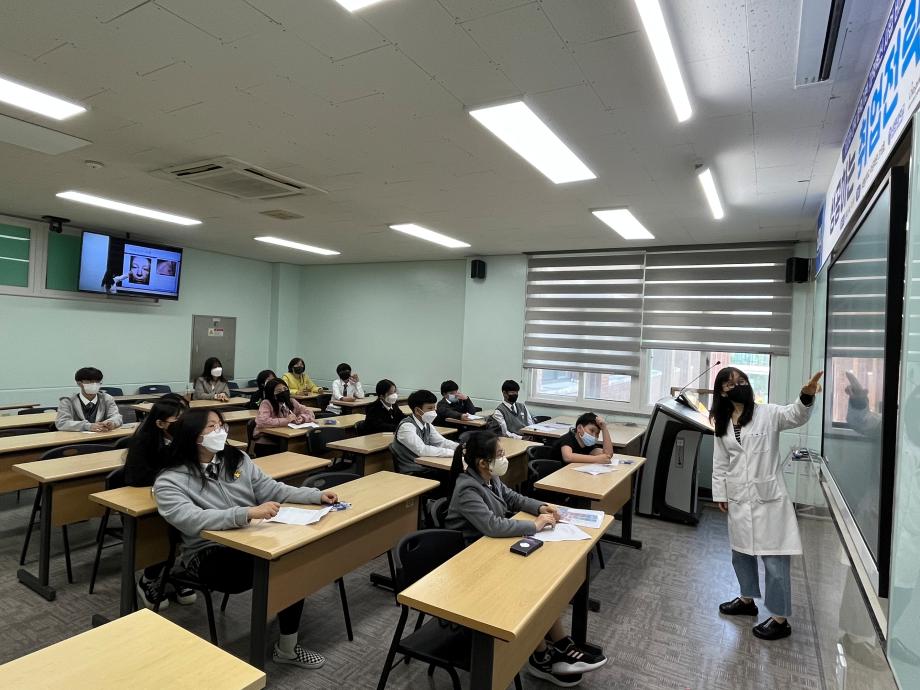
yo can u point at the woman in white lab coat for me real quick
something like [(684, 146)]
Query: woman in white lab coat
[(747, 483)]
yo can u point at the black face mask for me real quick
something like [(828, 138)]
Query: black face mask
[(345, 374), (284, 397), (299, 369), (512, 398), (741, 394)]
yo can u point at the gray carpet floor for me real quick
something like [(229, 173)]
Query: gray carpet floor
[(659, 624)]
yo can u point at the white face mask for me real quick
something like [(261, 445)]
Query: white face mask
[(499, 466), (391, 399), (217, 371), (429, 417), (91, 388), (215, 441), (451, 398)]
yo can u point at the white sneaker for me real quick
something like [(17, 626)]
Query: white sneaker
[(301, 657)]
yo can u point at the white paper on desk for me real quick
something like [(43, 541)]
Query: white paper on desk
[(299, 516), (595, 469), (550, 426), (562, 532), (305, 425), (581, 517), (473, 416)]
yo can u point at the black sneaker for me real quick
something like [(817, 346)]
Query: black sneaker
[(148, 593), (569, 658), (739, 607), (183, 595), (540, 665), (770, 629)]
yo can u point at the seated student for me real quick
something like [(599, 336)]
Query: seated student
[(346, 387), (278, 409), (580, 444), (417, 438), (209, 485), (212, 385), (453, 404), (511, 416), (481, 505), (144, 459), (297, 380), (259, 394), (92, 409), (383, 414)]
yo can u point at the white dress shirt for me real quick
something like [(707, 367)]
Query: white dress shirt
[(500, 420), (438, 447), (344, 389)]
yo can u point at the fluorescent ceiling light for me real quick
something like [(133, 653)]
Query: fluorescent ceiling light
[(624, 224), (352, 5), (36, 101), (529, 137), (127, 208), (658, 37), (712, 194), (430, 235), (297, 245)]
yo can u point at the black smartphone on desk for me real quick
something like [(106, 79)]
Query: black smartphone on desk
[(526, 546)]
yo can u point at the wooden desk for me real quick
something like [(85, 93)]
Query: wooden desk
[(247, 390), (356, 405), (20, 421), (143, 651), (139, 397), (311, 396), (506, 629), (296, 439), (472, 423), (612, 493), (146, 538), (17, 406), (406, 410), (515, 450), (293, 561), (626, 437), (373, 450), (20, 449), (196, 404)]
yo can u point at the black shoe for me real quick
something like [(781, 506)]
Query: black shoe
[(540, 665), (148, 592), (738, 607), (771, 630), (570, 659)]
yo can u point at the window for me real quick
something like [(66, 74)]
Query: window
[(585, 389), (555, 384), (15, 250), (608, 387), (669, 369)]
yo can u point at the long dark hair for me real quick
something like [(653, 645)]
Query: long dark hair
[(264, 376), (269, 394), (209, 364), (720, 414), (145, 449), (183, 451), (479, 445)]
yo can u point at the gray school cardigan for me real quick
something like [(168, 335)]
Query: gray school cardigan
[(205, 390), (70, 413), (476, 510), (222, 503)]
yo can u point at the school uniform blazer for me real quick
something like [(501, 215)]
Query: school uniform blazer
[(70, 413), (481, 508), (205, 389)]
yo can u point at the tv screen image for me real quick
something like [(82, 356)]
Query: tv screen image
[(116, 266)]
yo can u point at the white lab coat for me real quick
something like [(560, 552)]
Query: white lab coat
[(761, 518)]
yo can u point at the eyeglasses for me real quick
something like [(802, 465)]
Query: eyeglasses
[(217, 427), (729, 386)]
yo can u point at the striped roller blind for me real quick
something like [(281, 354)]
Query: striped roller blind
[(584, 312), (732, 299), (856, 305)]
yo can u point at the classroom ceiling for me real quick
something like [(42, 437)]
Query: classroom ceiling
[(371, 107)]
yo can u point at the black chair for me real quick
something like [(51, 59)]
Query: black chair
[(124, 442), (232, 385), (328, 480), (437, 512), (154, 388), (252, 382), (318, 440), (112, 390), (24, 431), (541, 418), (437, 643), (37, 410), (113, 480), (359, 428), (54, 454)]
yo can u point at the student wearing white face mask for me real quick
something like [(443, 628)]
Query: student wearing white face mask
[(92, 409), (582, 444), (417, 438), (209, 485), (212, 385), (481, 505), (383, 414)]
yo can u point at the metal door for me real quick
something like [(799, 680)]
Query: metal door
[(213, 336)]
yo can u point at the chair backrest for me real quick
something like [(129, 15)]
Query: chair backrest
[(359, 428), (232, 385), (37, 410), (112, 390), (418, 553), (327, 480), (317, 439), (543, 468), (540, 453), (124, 442), (76, 449), (252, 382), (154, 388), (23, 431), (115, 479), (437, 511), (250, 430)]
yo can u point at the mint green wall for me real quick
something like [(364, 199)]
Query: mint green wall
[(43, 341)]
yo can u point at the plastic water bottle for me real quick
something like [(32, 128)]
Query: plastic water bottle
[(189, 391)]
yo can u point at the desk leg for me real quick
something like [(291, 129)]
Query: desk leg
[(282, 443), (386, 581), (626, 520), (128, 551), (40, 585), (258, 624), (580, 605), (481, 661)]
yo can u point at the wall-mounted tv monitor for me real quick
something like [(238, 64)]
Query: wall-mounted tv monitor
[(117, 266)]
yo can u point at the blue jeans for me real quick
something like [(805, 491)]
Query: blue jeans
[(777, 579)]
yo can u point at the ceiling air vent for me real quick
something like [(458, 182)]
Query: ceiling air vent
[(281, 214), (238, 179), (819, 29)]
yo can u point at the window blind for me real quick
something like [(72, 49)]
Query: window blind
[(584, 312), (731, 299)]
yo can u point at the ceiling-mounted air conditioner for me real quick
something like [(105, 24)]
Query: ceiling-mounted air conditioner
[(238, 179), (819, 29)]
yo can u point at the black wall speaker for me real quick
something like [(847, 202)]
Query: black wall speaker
[(797, 269), (478, 269)]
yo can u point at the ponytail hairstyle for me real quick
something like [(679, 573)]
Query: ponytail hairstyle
[(479, 445), (720, 413)]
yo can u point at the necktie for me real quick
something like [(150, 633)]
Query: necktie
[(212, 470), (426, 434), (91, 412)]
